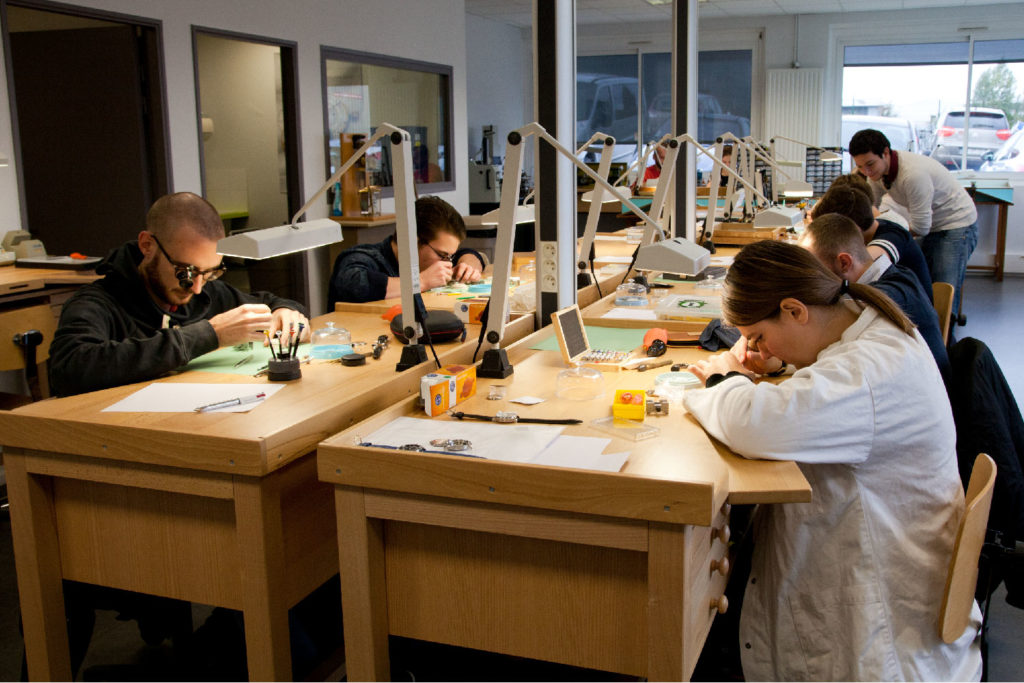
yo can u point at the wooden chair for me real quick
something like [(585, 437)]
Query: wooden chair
[(25, 336), (963, 567), (942, 298)]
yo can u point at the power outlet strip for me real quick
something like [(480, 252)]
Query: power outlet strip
[(547, 267)]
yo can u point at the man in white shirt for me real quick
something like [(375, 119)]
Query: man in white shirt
[(941, 212)]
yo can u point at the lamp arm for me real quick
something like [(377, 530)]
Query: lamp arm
[(594, 213), (506, 221), (685, 137), (537, 130), (383, 130)]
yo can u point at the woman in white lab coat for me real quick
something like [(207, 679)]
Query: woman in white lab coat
[(848, 586)]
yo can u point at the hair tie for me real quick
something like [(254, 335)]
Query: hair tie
[(844, 288)]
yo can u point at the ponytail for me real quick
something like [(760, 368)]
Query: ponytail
[(764, 273)]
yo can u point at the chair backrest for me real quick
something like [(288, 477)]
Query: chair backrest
[(963, 566), (942, 299)]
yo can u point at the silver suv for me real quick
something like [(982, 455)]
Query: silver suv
[(989, 130)]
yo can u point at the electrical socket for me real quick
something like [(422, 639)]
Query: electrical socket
[(548, 283), (548, 257)]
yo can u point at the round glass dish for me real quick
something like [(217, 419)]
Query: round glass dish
[(330, 342)]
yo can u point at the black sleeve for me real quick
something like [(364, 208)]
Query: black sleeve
[(93, 349), (466, 250), (357, 278)]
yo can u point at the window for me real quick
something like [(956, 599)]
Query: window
[(364, 90), (921, 88), (613, 98)]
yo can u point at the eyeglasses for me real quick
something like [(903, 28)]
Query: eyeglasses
[(187, 273), (443, 255)]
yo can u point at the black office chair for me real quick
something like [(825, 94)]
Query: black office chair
[(989, 421)]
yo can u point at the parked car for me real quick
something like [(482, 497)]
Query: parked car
[(988, 131), (608, 104), (901, 133), (1009, 157), (711, 120)]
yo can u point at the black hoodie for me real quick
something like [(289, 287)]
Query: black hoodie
[(111, 332)]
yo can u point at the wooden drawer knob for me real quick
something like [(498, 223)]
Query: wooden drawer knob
[(724, 534), (720, 604), (721, 566)]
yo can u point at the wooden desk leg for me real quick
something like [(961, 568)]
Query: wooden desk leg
[(37, 560), (363, 587), (265, 609), (1001, 241), (667, 603)]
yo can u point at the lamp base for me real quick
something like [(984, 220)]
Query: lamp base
[(494, 365), (412, 355)]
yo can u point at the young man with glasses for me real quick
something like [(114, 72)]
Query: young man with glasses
[(369, 272), (160, 304)]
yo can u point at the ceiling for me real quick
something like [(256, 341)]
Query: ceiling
[(520, 12)]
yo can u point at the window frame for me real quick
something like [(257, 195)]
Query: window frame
[(445, 71)]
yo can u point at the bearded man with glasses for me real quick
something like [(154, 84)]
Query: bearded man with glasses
[(159, 305)]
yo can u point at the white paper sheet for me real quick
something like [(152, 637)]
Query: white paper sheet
[(610, 238), (171, 397), (581, 452), (531, 443), (613, 259), (724, 261), (620, 313)]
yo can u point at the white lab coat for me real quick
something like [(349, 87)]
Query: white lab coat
[(849, 586)]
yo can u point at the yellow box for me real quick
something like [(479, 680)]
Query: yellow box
[(630, 404)]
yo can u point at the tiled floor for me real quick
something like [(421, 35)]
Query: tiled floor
[(995, 314)]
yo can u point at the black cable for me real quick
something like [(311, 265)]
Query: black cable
[(483, 329), (596, 283), (631, 264), (535, 420), (421, 315)]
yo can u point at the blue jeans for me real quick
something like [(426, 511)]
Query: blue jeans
[(946, 252)]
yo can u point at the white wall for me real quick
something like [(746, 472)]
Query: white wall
[(239, 89), (499, 77)]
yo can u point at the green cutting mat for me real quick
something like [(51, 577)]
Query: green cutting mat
[(603, 338), (224, 359)]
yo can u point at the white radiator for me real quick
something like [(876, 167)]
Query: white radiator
[(793, 108)]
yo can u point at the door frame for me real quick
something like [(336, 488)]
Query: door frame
[(158, 125)]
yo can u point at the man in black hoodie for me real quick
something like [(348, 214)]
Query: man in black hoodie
[(159, 306)]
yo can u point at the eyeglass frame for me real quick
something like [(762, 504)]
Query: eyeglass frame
[(443, 255), (186, 272)]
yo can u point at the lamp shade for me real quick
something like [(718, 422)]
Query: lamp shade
[(283, 239)]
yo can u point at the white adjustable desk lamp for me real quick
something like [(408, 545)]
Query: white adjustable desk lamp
[(495, 360), (304, 234)]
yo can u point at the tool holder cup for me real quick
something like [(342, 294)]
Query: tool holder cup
[(279, 370)]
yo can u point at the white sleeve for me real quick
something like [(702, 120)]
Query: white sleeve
[(814, 416), (919, 191)]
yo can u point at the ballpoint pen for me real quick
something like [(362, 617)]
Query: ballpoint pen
[(241, 400)]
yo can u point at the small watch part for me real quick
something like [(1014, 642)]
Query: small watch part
[(506, 417), (411, 447), (496, 392), (352, 359), (454, 445), (657, 406)]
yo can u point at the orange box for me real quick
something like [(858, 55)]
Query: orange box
[(630, 404), (465, 380), (446, 388), (470, 310)]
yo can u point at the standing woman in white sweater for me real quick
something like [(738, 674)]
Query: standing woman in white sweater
[(849, 586)]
